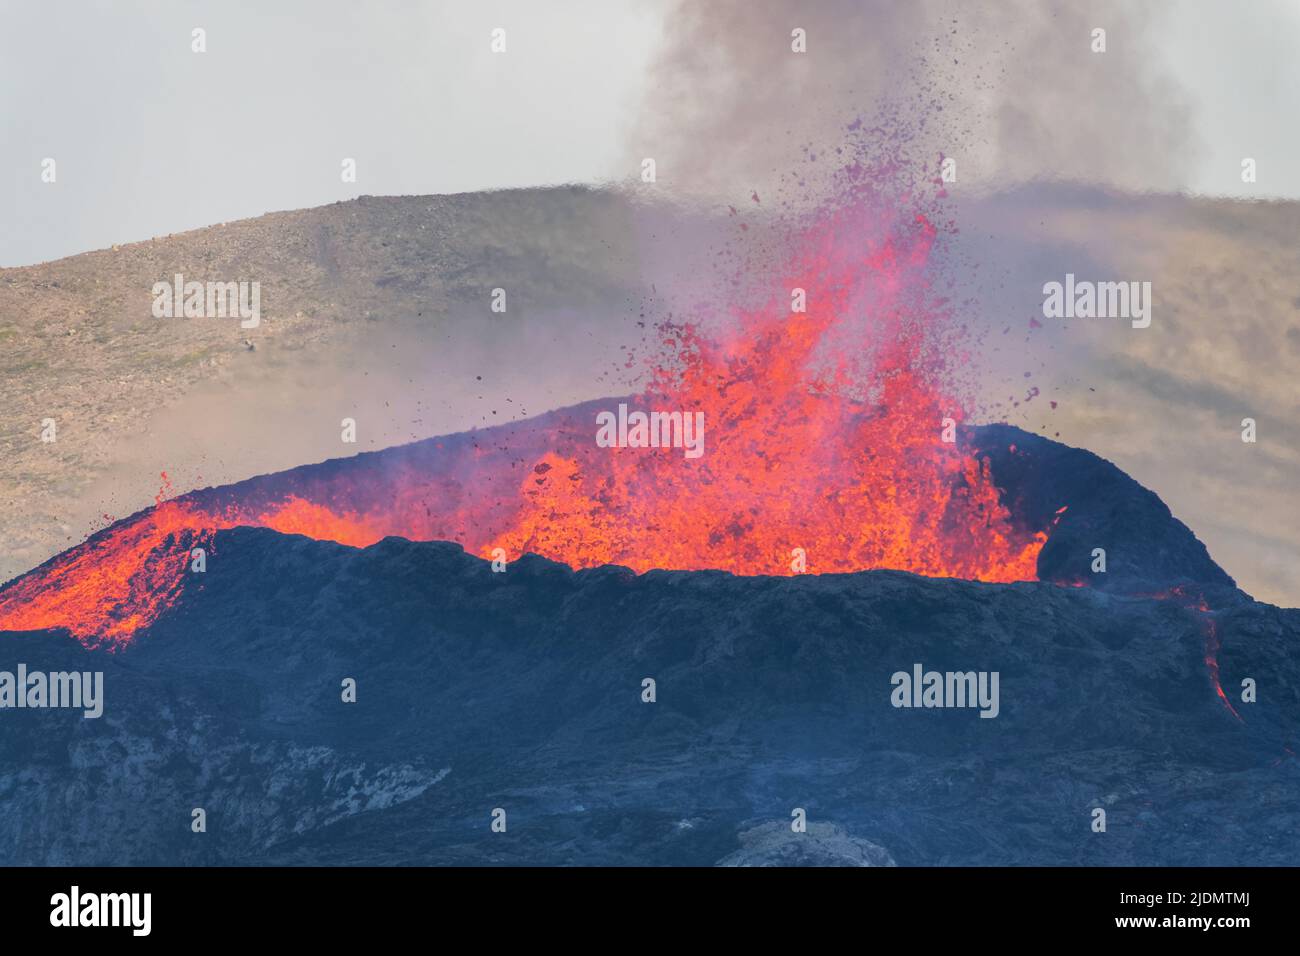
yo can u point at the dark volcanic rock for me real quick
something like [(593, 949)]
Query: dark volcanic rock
[(522, 691), (1148, 550)]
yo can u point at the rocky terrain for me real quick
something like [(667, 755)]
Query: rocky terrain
[(523, 691)]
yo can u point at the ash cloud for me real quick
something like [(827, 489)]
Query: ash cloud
[(1011, 90)]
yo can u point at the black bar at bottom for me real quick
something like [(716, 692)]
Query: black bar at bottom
[(215, 905)]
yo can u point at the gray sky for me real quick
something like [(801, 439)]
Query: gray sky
[(1238, 62), (150, 138)]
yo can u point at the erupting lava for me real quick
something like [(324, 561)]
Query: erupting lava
[(824, 433), (816, 440)]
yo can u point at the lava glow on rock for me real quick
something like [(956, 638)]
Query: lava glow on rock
[(824, 433)]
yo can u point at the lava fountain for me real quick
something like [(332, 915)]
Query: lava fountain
[(825, 438)]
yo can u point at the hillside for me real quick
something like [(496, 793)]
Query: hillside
[(523, 691)]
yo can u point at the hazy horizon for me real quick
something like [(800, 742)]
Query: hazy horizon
[(134, 118)]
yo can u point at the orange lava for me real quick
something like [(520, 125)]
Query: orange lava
[(805, 448), (1195, 602), (824, 432), (112, 585), (298, 516)]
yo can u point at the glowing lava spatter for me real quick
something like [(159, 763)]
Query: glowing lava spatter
[(824, 431), (815, 440)]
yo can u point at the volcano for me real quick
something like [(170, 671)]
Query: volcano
[(558, 641), (831, 419), (523, 690), (472, 489)]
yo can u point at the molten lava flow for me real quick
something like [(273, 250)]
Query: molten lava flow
[(1195, 602), (115, 583), (298, 516), (1213, 643), (1212, 646), (824, 438)]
